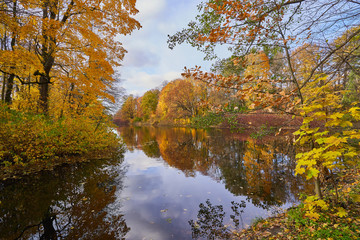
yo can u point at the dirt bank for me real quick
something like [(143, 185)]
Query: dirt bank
[(257, 120)]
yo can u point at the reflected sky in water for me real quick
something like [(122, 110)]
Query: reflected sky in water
[(161, 199), (171, 173), (169, 184)]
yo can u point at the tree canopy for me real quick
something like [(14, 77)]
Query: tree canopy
[(293, 56), (57, 67), (275, 27), (66, 44)]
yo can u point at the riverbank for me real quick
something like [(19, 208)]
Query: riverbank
[(30, 143), (327, 219), (172, 175), (234, 121)]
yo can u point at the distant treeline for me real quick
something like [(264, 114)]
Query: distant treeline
[(181, 101)]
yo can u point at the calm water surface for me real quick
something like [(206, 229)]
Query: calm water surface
[(171, 183)]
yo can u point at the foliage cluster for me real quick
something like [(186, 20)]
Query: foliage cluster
[(58, 80), (32, 142), (182, 101), (325, 227), (325, 218), (67, 44), (208, 120), (211, 119), (263, 131), (315, 218), (309, 69)]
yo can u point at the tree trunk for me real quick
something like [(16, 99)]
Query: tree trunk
[(10, 79), (3, 88), (44, 94), (318, 188), (9, 88), (47, 52)]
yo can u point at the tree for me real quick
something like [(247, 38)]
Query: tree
[(149, 103), (249, 25), (179, 99), (305, 36), (128, 109), (70, 41)]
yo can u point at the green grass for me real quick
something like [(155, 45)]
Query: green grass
[(206, 121), (262, 132)]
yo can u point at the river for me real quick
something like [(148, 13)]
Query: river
[(171, 183)]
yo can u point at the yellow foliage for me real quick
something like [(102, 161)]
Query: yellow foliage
[(73, 45), (356, 197), (33, 142), (341, 212), (258, 65), (19, 61), (179, 99), (312, 205), (331, 149), (26, 99)]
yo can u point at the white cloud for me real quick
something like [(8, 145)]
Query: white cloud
[(141, 82), (149, 61), (140, 162), (150, 8)]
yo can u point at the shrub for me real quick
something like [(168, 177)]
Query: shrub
[(208, 120), (30, 142)]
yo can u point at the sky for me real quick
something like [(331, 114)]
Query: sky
[(149, 62)]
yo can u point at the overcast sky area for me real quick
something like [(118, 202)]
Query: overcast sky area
[(149, 61)]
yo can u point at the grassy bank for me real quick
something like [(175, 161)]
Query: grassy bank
[(32, 142), (333, 217), (233, 121)]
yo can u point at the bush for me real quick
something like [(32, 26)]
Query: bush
[(30, 142), (208, 120)]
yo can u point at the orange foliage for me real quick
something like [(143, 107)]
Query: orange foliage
[(68, 43), (179, 99)]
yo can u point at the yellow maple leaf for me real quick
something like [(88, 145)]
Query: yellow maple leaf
[(312, 215), (341, 212)]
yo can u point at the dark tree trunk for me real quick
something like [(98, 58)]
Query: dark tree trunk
[(3, 88), (47, 52), (9, 88), (44, 94), (318, 188)]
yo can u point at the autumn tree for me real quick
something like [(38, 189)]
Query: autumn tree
[(149, 103), (272, 26), (179, 99), (70, 41), (304, 36), (128, 109), (57, 66)]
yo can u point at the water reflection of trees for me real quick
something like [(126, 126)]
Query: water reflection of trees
[(70, 203), (262, 170), (209, 223), (145, 141)]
